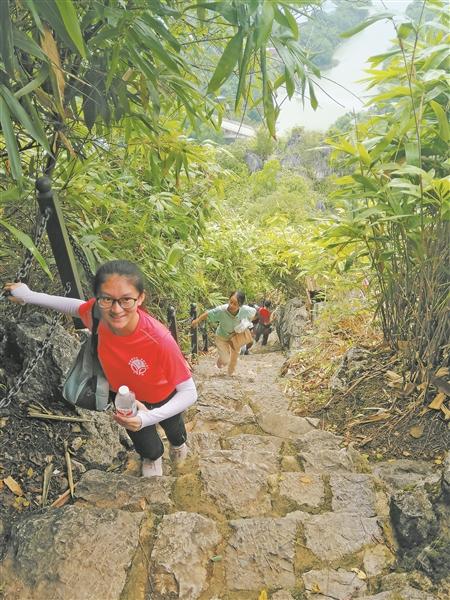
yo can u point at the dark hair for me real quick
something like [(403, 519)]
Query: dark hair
[(119, 267), (240, 296), (267, 303)]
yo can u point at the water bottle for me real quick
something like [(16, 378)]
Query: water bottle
[(125, 402)]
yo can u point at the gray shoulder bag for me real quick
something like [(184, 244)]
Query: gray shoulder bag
[(86, 385)]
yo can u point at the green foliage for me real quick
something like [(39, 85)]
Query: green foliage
[(263, 145), (63, 64), (394, 199)]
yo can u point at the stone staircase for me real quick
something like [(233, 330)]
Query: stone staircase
[(266, 506)]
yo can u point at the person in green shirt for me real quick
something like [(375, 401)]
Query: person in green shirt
[(229, 317)]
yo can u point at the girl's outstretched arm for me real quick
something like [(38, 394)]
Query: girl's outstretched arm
[(21, 294)]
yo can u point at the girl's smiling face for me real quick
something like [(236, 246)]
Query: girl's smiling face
[(121, 321)]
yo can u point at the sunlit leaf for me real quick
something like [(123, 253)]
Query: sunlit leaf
[(70, 20), (227, 62), (11, 141), (366, 23), (26, 241)]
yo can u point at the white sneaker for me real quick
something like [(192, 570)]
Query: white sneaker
[(178, 453), (152, 468)]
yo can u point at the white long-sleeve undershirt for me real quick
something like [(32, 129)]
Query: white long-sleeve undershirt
[(65, 305), (186, 396)]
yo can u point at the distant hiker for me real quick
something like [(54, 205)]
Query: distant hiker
[(231, 318), (135, 350), (245, 350), (264, 328)]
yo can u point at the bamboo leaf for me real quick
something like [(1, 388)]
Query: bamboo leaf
[(6, 38), (26, 241), (227, 62), (444, 130), (243, 70), (365, 24), (11, 194), (364, 155), (28, 45), (11, 141), (176, 252), (41, 76), (50, 14), (71, 23), (312, 96), (396, 92), (20, 114), (58, 84), (264, 26), (32, 8)]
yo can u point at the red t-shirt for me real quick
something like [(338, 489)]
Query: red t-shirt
[(148, 360), (264, 315)]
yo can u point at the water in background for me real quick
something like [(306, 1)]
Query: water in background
[(341, 89)]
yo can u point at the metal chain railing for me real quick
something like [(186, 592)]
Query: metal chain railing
[(23, 377), (22, 274), (81, 257), (26, 265), (184, 325)]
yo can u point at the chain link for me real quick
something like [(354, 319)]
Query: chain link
[(24, 376), (26, 265), (21, 274), (81, 257)]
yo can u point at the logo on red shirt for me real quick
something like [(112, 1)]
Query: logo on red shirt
[(138, 365)]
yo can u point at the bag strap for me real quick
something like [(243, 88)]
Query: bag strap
[(95, 324)]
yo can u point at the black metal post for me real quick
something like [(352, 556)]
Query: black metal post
[(59, 241), (204, 331), (194, 336), (172, 321)]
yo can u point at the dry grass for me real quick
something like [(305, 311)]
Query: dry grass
[(380, 413)]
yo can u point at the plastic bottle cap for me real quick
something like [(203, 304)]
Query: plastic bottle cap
[(124, 390)]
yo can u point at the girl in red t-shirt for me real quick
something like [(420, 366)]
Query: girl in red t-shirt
[(135, 350)]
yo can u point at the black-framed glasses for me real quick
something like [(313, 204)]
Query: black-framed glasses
[(125, 303)]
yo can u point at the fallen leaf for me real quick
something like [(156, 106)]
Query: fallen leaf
[(217, 558), (442, 372), (143, 503), (438, 461), (21, 502), (360, 574), (437, 401), (262, 595), (406, 453), (446, 412), (30, 472), (315, 588), (13, 486), (393, 376), (305, 479), (416, 431)]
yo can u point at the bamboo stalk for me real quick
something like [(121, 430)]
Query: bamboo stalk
[(38, 406), (52, 417), (62, 499), (48, 472), (69, 468)]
